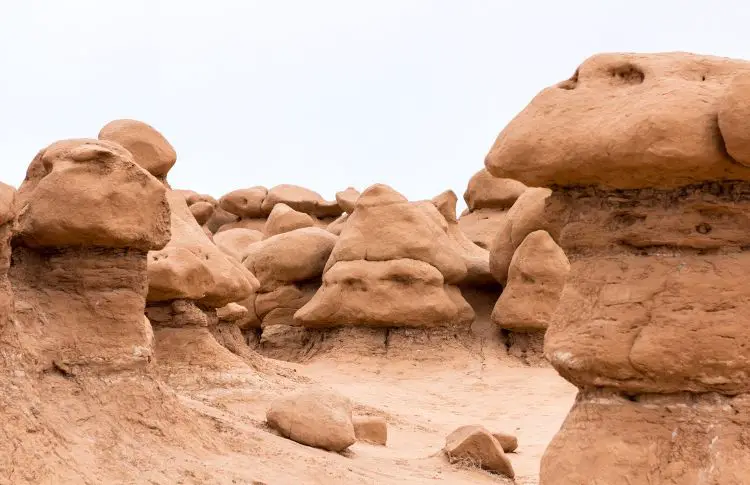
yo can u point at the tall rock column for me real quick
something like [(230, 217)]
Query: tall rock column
[(652, 212), (88, 215)]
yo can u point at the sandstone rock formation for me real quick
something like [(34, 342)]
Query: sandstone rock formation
[(284, 219), (475, 446), (651, 209), (347, 199), (535, 281), (288, 267), (525, 216), (88, 214), (149, 148), (488, 200), (236, 242), (391, 266), (302, 200), (314, 417), (371, 429), (508, 442)]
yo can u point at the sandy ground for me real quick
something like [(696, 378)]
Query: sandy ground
[(423, 401)]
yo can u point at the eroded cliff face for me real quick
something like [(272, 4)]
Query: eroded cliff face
[(651, 211)]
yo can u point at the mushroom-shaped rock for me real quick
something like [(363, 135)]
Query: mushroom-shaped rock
[(393, 265), (476, 446), (628, 121), (526, 215), (149, 147), (535, 282), (91, 193), (298, 255), (347, 199), (236, 242), (300, 199), (202, 211), (245, 203), (284, 219), (386, 226), (314, 417), (88, 216), (371, 429), (487, 192), (192, 267), (734, 111), (394, 293)]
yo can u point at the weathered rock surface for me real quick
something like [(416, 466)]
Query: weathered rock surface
[(651, 210), (475, 446), (302, 200), (526, 216), (245, 203), (391, 266), (629, 121), (284, 219), (487, 192), (508, 442), (149, 148), (347, 199), (237, 242), (88, 216), (535, 281), (91, 193), (192, 267), (315, 417), (371, 429), (202, 211)]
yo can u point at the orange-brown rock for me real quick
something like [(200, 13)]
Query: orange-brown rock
[(284, 219), (202, 211), (236, 242), (91, 193), (475, 446), (526, 216), (337, 226), (300, 199), (487, 192), (347, 199), (629, 121), (89, 214), (392, 265), (314, 417), (371, 429), (149, 148), (245, 203), (481, 226), (293, 256), (651, 210), (535, 281), (192, 267), (220, 218)]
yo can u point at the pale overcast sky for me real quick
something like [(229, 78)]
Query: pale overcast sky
[(319, 93)]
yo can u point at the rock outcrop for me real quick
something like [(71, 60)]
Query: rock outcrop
[(314, 417), (391, 266), (475, 446), (535, 281), (488, 199), (289, 267), (88, 215), (650, 206)]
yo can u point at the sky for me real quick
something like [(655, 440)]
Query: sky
[(320, 93)]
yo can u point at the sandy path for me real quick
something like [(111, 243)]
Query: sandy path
[(424, 401)]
